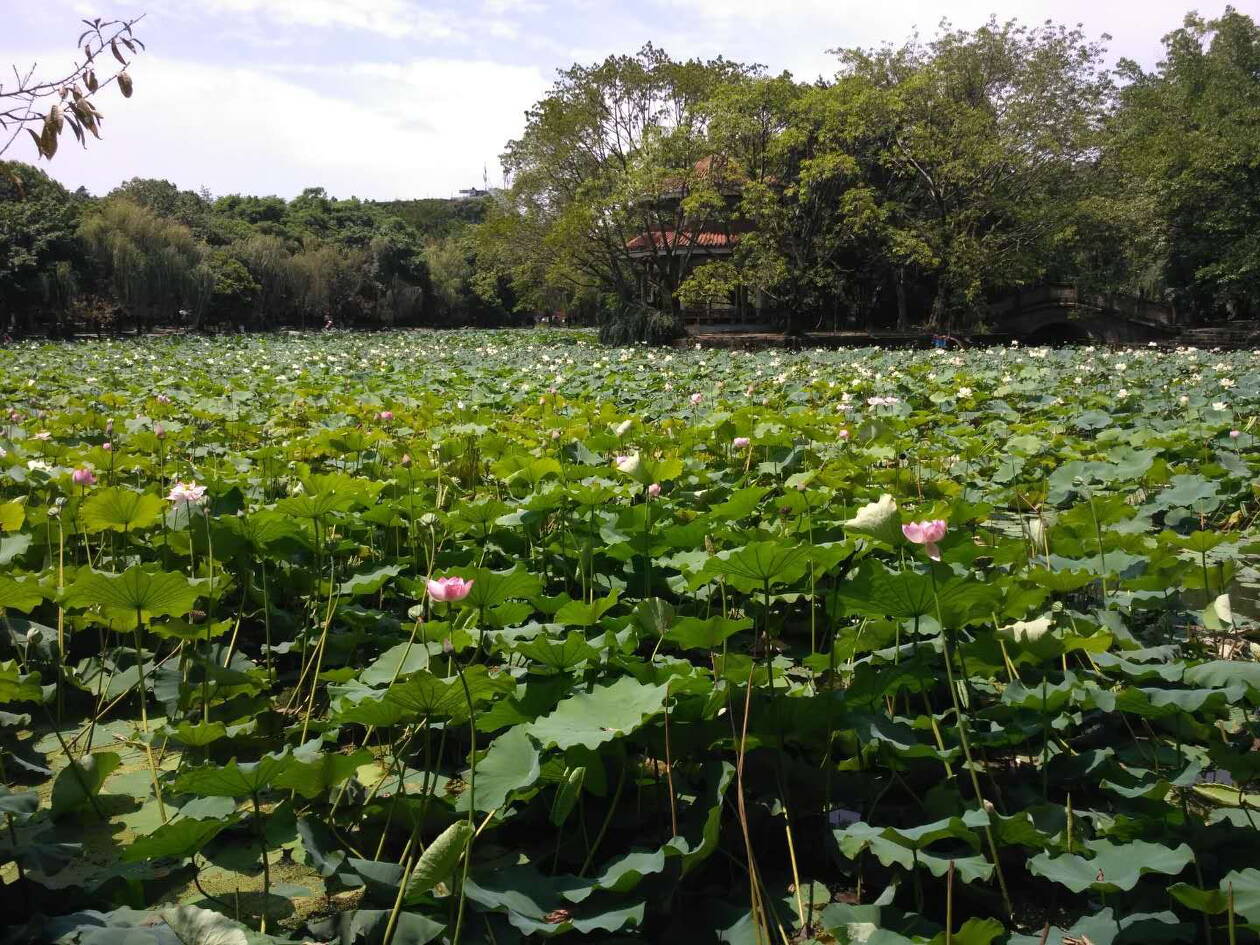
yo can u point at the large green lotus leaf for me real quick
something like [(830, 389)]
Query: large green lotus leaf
[(12, 515), (659, 470), (135, 591), (1105, 928), (891, 849), (758, 564), (1244, 884), (875, 591), (717, 776), (852, 840), (18, 687), (197, 734), (1061, 582), (479, 515), (311, 772), (368, 707), (654, 615), (692, 633), (1113, 866), (119, 509), (426, 695), (1198, 542), (1050, 698), (397, 662), (1225, 674), (532, 902), (896, 736), (316, 505), (22, 594), (491, 588), (178, 838), (368, 925), (558, 655), (234, 779), (880, 520), (1191, 491), (80, 781), (369, 582), (12, 546), (265, 526), (584, 614), (743, 502), (25, 802), (972, 932), (194, 926), (511, 764), (608, 711), (439, 859)]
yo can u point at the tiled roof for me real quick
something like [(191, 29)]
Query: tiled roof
[(675, 239)]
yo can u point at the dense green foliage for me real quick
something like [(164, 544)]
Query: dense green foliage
[(150, 255), (917, 185), (703, 688)]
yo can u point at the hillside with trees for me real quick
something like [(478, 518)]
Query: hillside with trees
[(150, 255)]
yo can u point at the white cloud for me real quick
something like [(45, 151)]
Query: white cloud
[(424, 128), (401, 18), (795, 33)]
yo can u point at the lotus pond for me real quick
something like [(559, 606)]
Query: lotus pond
[(863, 646)]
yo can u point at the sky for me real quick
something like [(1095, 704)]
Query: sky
[(388, 99)]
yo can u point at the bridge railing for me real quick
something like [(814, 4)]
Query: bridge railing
[(1067, 296)]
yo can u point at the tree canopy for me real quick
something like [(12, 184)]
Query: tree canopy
[(919, 184)]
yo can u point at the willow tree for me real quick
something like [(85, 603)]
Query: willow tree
[(153, 266)]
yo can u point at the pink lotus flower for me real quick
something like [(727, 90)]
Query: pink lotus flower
[(83, 477), (927, 534), (406, 459), (186, 493), (843, 434), (447, 589), (385, 415), (740, 442), (1235, 434), (654, 490), (42, 435), (107, 447), (163, 399), (159, 431), (696, 398)]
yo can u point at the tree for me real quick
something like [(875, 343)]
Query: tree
[(53, 104), (976, 143), (39, 252), (615, 153), (1183, 155), (154, 266)]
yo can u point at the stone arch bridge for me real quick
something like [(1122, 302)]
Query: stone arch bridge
[(1062, 314)]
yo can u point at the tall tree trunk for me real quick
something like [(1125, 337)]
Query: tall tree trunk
[(899, 287), (936, 317)]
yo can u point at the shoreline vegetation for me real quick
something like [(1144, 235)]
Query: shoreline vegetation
[(915, 187)]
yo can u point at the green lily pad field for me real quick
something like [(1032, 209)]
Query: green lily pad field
[(495, 637)]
